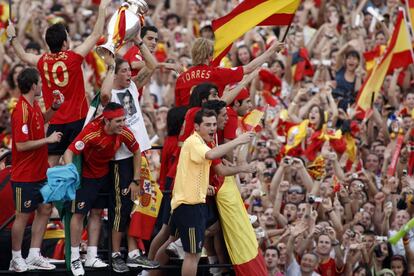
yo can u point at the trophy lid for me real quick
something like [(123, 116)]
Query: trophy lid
[(137, 6)]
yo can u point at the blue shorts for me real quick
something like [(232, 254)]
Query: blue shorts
[(69, 130), (189, 222), (27, 196), (88, 195), (165, 209), (122, 174)]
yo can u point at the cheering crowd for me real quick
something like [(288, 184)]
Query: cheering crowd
[(275, 161)]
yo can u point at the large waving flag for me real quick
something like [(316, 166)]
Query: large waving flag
[(398, 54), (410, 10), (245, 16)]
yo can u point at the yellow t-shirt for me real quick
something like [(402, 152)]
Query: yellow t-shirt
[(193, 169)]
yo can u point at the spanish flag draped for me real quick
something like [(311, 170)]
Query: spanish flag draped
[(144, 214), (248, 14), (398, 54), (119, 32), (238, 232)]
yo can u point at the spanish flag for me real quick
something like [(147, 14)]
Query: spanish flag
[(144, 214), (251, 121), (245, 16), (398, 54), (301, 65), (120, 25), (410, 9), (238, 232), (372, 56)]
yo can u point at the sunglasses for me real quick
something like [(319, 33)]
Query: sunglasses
[(296, 191)]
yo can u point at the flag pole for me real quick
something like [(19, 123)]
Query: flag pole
[(286, 32), (10, 10)]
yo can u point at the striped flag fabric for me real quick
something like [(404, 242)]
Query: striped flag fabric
[(372, 56), (251, 121), (398, 54), (245, 16), (410, 11), (144, 214), (301, 65)]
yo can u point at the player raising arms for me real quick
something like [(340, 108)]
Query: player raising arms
[(61, 70)]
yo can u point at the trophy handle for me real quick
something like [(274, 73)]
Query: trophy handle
[(105, 50)]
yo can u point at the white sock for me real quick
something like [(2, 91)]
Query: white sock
[(33, 253), (134, 253), (115, 253), (144, 273), (91, 252), (212, 259), (74, 253), (17, 254)]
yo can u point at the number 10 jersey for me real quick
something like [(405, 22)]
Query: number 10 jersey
[(63, 71)]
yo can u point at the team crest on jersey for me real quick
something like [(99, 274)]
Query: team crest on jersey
[(25, 129), (79, 145), (81, 205), (27, 203)]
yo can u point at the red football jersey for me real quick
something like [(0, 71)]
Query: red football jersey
[(232, 124), (188, 126), (167, 158), (132, 55), (204, 73), (98, 148), (27, 125), (62, 71), (328, 268)]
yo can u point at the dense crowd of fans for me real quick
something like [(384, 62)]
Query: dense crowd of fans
[(315, 178)]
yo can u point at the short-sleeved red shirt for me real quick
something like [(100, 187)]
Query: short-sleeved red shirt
[(134, 55), (328, 268), (98, 148), (205, 73), (167, 158), (28, 125), (232, 124), (63, 71), (188, 126)]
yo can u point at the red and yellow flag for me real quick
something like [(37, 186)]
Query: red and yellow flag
[(372, 56), (251, 121), (144, 214), (398, 54), (120, 25), (246, 15), (410, 10)]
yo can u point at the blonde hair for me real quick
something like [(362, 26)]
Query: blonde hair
[(202, 50)]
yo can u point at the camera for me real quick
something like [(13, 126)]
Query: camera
[(260, 232), (288, 160), (327, 62), (314, 199), (313, 90)]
